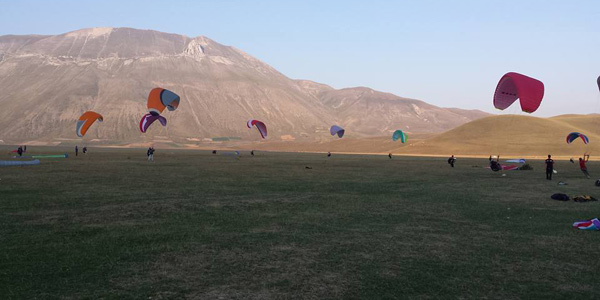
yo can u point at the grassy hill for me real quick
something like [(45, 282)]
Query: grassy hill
[(514, 135)]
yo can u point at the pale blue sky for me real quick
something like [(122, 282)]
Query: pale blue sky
[(448, 53)]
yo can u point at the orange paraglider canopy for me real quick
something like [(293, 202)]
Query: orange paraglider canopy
[(159, 99), (86, 120)]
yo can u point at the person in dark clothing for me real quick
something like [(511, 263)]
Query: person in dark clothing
[(214, 152), (25, 148), (252, 152), (495, 164), (582, 166), (76, 150), (451, 160), (150, 154), (20, 151), (390, 155), (328, 154), (549, 167), (84, 150)]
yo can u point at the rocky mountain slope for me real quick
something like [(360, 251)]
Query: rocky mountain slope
[(48, 81)]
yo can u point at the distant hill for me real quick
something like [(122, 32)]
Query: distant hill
[(515, 135), (48, 81)]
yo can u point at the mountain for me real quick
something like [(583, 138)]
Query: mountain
[(378, 113), (48, 81)]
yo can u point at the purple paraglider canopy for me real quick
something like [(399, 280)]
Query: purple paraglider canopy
[(337, 130), (148, 119)]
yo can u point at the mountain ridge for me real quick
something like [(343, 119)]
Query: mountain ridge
[(49, 80)]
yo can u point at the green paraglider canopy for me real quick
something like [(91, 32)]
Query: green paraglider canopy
[(399, 135)]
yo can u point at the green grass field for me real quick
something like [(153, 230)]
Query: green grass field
[(201, 226)]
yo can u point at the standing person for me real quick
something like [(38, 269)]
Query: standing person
[(451, 160), (150, 154), (549, 167), (390, 155), (76, 150), (20, 151), (25, 148), (252, 152), (582, 166), (328, 154), (84, 150)]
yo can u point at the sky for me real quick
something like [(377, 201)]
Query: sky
[(447, 53)]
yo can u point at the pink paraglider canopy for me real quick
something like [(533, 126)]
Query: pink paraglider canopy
[(513, 86)]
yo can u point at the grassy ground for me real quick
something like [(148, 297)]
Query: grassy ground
[(196, 225)]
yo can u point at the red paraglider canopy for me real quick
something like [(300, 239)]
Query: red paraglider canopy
[(513, 86), (262, 128)]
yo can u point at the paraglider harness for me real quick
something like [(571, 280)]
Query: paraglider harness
[(495, 166), (451, 160)]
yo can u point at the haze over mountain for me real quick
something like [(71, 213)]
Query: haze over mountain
[(48, 81)]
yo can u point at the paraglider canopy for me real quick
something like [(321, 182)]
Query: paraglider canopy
[(86, 120), (262, 128), (513, 86), (159, 99), (399, 135), (337, 130), (574, 135), (598, 82), (148, 119)]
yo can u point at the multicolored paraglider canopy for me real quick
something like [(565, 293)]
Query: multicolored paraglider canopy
[(159, 99), (575, 135), (593, 224), (86, 120), (148, 119), (262, 128), (337, 130), (513, 86), (520, 160), (399, 135)]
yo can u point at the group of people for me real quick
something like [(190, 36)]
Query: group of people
[(496, 166), (494, 161), (83, 150), (582, 165)]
